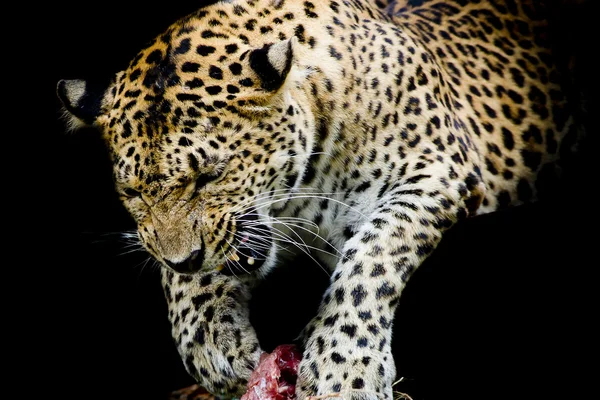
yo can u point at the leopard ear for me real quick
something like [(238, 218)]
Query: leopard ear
[(82, 101), (272, 63)]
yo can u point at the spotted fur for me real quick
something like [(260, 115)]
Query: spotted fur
[(358, 131)]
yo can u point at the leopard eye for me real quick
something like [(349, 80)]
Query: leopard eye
[(216, 170), (131, 193), (203, 179)]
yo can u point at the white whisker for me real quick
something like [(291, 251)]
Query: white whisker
[(281, 221), (124, 253), (283, 237), (305, 196), (316, 235), (284, 193), (228, 265), (237, 251), (262, 245), (303, 244), (242, 237)]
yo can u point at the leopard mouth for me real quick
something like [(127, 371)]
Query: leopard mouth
[(251, 250), (244, 260)]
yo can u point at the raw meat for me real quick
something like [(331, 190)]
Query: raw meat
[(275, 376)]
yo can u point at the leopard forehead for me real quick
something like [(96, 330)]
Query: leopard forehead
[(201, 69), (190, 100), (170, 88)]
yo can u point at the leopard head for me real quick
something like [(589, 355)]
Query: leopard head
[(208, 137)]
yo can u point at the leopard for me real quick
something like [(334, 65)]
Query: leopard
[(354, 132)]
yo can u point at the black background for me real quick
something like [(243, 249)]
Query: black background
[(505, 308)]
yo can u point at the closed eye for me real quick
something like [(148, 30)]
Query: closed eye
[(216, 170), (203, 179), (128, 192)]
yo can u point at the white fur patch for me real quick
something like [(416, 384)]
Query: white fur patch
[(72, 122)]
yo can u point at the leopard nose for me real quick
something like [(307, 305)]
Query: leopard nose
[(188, 266)]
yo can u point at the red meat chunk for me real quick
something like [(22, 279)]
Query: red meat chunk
[(275, 376)]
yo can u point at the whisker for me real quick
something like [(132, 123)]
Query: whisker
[(278, 246), (132, 243), (284, 193), (276, 220), (228, 265), (304, 196), (279, 230), (240, 266), (316, 235), (264, 242), (259, 245), (288, 239), (141, 249), (144, 264), (242, 237), (236, 251), (292, 241)]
